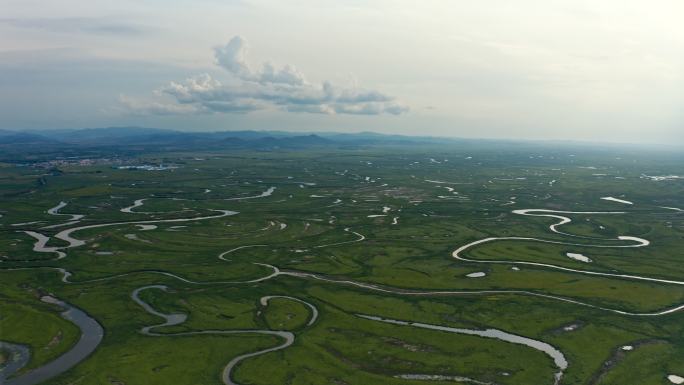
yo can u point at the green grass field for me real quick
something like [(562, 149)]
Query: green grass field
[(357, 231)]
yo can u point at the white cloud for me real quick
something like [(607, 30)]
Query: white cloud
[(232, 57), (269, 87)]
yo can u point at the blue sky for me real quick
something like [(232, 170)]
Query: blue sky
[(587, 70)]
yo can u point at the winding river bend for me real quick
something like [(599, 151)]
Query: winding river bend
[(360, 237), (91, 336), (555, 354), (65, 235), (563, 220), (178, 318), (136, 203), (264, 194), (635, 242), (61, 205)]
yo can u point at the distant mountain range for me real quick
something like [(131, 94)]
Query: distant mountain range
[(18, 145), (145, 136), (41, 145)]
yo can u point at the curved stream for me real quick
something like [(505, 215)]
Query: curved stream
[(314, 311), (563, 220), (457, 255), (136, 203), (223, 255), (91, 336), (407, 292), (61, 205), (264, 194), (360, 238), (179, 318), (75, 218), (139, 202), (639, 242), (555, 354), (40, 246), (65, 235)]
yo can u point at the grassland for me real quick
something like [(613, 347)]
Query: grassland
[(357, 231)]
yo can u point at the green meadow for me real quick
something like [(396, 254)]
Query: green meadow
[(354, 231)]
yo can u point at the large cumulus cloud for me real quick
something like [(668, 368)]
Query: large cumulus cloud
[(266, 86)]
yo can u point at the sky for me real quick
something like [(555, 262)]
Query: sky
[(609, 70)]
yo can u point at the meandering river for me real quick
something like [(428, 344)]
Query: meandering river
[(91, 336), (558, 358), (178, 318)]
